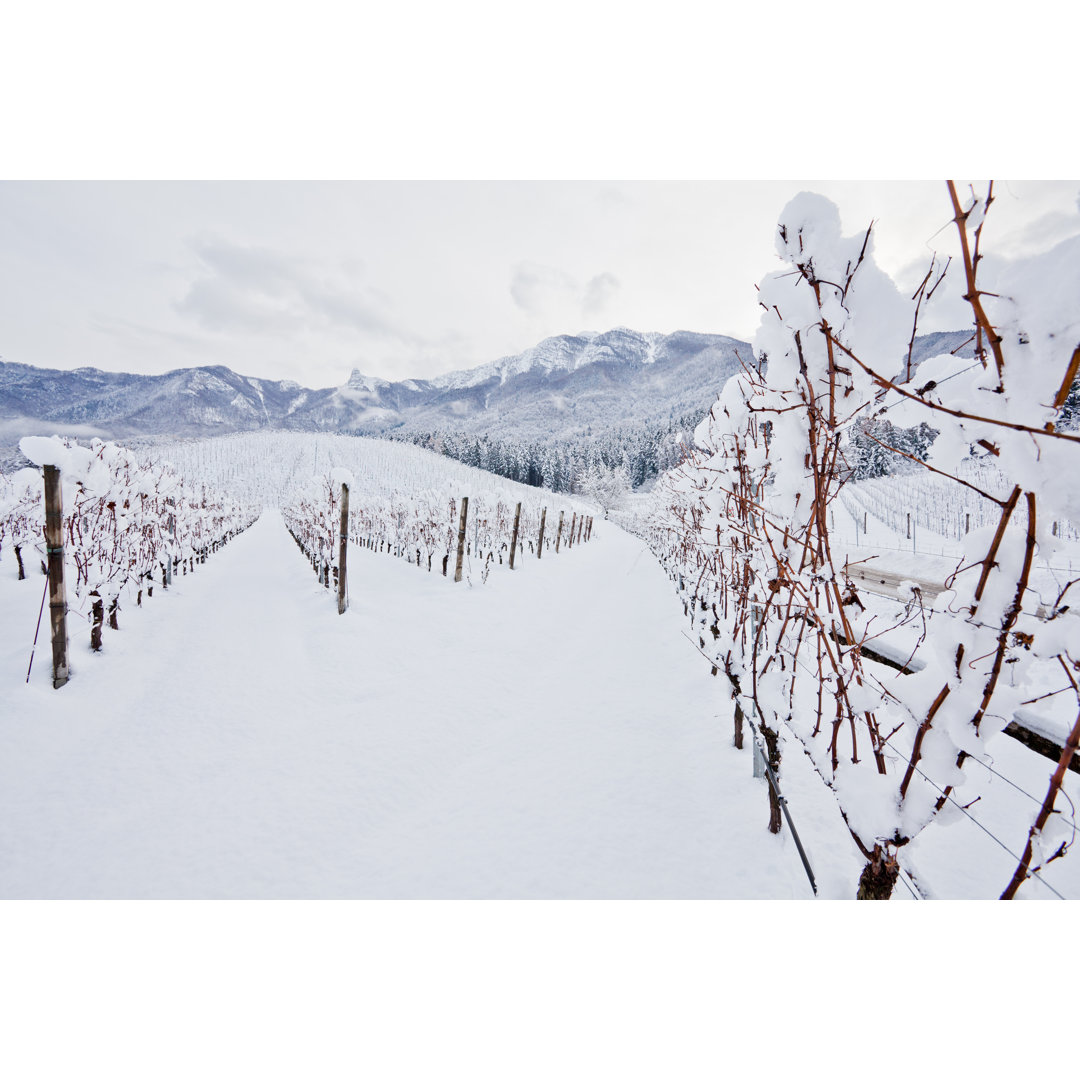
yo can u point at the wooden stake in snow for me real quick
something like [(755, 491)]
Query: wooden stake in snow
[(54, 545), (343, 550), (558, 535), (573, 529), (513, 542), (540, 542), (461, 536)]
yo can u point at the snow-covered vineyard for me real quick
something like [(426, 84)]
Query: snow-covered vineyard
[(788, 683)]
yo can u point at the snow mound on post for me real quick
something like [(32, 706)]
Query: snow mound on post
[(339, 476), (81, 463)]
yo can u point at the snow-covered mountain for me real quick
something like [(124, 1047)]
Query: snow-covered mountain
[(561, 386), (569, 387)]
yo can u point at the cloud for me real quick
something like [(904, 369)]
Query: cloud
[(1040, 235), (541, 290), (255, 290), (599, 292), (126, 329), (548, 292)]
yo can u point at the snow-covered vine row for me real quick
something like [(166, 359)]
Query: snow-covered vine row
[(747, 531), (126, 522), (937, 504), (421, 526), (266, 467)]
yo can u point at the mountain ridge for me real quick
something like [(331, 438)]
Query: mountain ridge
[(566, 387), (213, 398)]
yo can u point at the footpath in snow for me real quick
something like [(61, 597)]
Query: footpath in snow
[(548, 734)]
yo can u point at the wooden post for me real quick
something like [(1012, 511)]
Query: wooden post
[(343, 550), (558, 535), (172, 540), (54, 545), (573, 529), (461, 536), (513, 543), (580, 526), (540, 542)]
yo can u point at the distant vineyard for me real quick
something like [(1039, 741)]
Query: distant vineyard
[(937, 504), (267, 468)]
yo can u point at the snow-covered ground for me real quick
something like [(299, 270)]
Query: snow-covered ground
[(550, 734)]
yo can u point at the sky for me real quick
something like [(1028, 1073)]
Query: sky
[(408, 279)]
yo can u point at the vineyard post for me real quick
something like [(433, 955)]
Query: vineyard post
[(540, 542), (54, 545), (343, 550), (172, 538), (461, 536), (513, 543), (573, 528), (558, 535)]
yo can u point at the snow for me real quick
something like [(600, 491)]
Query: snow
[(339, 476), (747, 509), (52, 450), (552, 734)]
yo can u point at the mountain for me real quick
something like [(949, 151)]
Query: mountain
[(563, 385), (619, 395)]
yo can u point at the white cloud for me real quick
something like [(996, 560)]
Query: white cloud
[(547, 292), (599, 293), (256, 290)]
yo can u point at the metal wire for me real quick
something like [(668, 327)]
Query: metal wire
[(1030, 873)]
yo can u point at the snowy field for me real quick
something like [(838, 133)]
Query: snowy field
[(552, 733)]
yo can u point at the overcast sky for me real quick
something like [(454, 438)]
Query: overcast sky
[(306, 281)]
